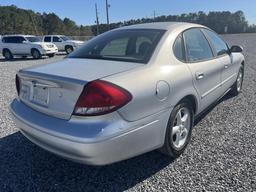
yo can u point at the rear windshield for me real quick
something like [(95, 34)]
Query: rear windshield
[(131, 45)]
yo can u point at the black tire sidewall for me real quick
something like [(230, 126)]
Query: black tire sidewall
[(169, 148), (5, 51), (67, 47), (39, 54)]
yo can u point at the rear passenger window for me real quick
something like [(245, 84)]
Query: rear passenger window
[(47, 39), (178, 48), (220, 46), (197, 46)]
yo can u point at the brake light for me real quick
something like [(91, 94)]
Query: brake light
[(101, 97), (17, 82)]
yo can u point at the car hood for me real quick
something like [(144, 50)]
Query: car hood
[(83, 69)]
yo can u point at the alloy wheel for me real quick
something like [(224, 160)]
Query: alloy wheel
[(239, 80), (181, 128)]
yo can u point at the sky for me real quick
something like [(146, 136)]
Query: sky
[(83, 11)]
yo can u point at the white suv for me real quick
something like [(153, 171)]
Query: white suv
[(26, 45), (63, 43)]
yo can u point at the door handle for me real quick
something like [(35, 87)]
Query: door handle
[(199, 76), (226, 66)]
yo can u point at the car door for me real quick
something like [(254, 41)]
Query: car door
[(228, 74), (12, 44), (206, 72), (20, 46), (58, 42)]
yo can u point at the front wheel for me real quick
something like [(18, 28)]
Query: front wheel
[(69, 49), (237, 87), (179, 129), (36, 54)]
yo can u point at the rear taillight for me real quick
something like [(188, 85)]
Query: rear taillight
[(101, 97), (17, 82)]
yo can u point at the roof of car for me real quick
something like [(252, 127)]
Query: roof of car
[(55, 35), (162, 25), (13, 35)]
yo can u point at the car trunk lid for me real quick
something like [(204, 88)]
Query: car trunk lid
[(54, 89)]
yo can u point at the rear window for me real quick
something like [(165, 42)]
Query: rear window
[(8, 40), (131, 45), (13, 39), (47, 39)]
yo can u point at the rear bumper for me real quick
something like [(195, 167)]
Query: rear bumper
[(91, 141)]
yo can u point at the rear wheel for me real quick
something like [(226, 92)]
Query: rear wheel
[(69, 49), (7, 54), (237, 87), (36, 54), (179, 129)]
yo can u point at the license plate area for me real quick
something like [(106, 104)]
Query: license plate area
[(40, 95), (30, 92)]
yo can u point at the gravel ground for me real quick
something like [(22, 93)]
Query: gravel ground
[(220, 157)]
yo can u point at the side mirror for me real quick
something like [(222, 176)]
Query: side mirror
[(24, 41), (236, 49)]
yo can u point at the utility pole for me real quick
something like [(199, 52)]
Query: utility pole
[(154, 15), (107, 7), (33, 23), (97, 18)]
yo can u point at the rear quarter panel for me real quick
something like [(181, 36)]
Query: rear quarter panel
[(142, 83)]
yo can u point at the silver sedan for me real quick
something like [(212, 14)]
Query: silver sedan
[(127, 92)]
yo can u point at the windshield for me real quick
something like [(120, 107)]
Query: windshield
[(65, 38), (131, 45), (33, 39)]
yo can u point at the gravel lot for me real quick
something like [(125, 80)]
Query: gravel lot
[(221, 156)]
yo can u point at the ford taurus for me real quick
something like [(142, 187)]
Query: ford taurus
[(126, 92)]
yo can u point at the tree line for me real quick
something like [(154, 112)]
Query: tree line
[(14, 20), (221, 22)]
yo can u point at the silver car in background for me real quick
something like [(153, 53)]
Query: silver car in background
[(127, 92)]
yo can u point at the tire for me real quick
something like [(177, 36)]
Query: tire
[(69, 49), (7, 54), (237, 87), (178, 131), (51, 55), (24, 56), (36, 54)]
